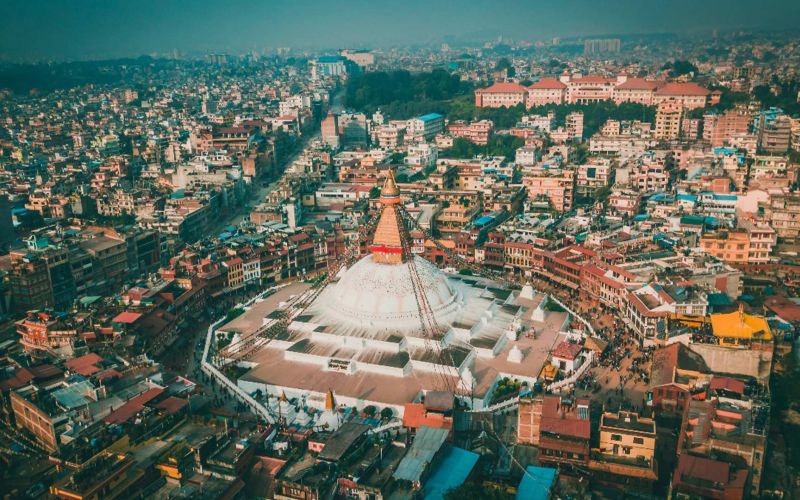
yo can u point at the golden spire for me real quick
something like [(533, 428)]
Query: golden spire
[(390, 194), (329, 402), (387, 243)]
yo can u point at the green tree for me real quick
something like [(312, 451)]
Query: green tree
[(387, 413), (678, 68), (601, 194), (505, 64), (370, 411)]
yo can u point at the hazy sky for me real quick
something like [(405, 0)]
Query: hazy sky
[(81, 29)]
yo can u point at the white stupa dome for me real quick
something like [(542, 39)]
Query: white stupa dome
[(383, 294)]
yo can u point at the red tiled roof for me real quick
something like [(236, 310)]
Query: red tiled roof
[(85, 365), (565, 425), (20, 378), (171, 405), (783, 307), (503, 87), (126, 317), (593, 79), (415, 416), (133, 406), (702, 468), (679, 88), (728, 384), (548, 83), (567, 350), (233, 262), (45, 371), (638, 84), (109, 374)]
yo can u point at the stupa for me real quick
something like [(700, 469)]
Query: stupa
[(366, 338)]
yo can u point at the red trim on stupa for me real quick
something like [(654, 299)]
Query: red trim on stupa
[(384, 249)]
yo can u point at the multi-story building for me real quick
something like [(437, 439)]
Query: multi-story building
[(557, 186), (451, 220), (596, 46), (720, 128), (29, 279), (45, 331), (476, 132), (425, 127), (573, 124), (329, 130), (689, 94), (362, 58), (422, 155), (111, 256), (527, 156), (235, 268), (36, 413), (529, 420), (500, 95), (564, 431), (782, 210), (232, 138), (649, 177), (627, 450), (577, 89), (638, 90), (353, 129), (546, 91), (390, 136), (750, 244), (330, 66), (669, 115), (625, 202), (595, 174), (774, 136)]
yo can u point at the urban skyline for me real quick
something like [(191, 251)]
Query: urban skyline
[(443, 251), (42, 30)]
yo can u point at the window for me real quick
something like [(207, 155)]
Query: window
[(616, 437), (638, 440)]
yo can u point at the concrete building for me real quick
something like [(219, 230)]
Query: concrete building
[(556, 186), (782, 210), (500, 95), (598, 46), (476, 132), (546, 91), (425, 127), (573, 123), (750, 244), (329, 129), (669, 115)]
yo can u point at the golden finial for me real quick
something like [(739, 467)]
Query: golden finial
[(390, 194)]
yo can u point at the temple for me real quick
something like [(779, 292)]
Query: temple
[(393, 327)]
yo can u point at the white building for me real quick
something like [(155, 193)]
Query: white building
[(422, 154)]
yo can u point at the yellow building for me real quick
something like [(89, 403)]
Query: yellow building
[(176, 461), (738, 329), (108, 476), (745, 245), (729, 246), (627, 446)]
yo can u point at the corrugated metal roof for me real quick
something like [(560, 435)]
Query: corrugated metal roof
[(453, 470), (427, 442), (536, 483)]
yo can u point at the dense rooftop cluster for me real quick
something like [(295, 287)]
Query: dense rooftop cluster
[(610, 233)]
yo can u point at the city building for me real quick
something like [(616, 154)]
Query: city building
[(669, 116)]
